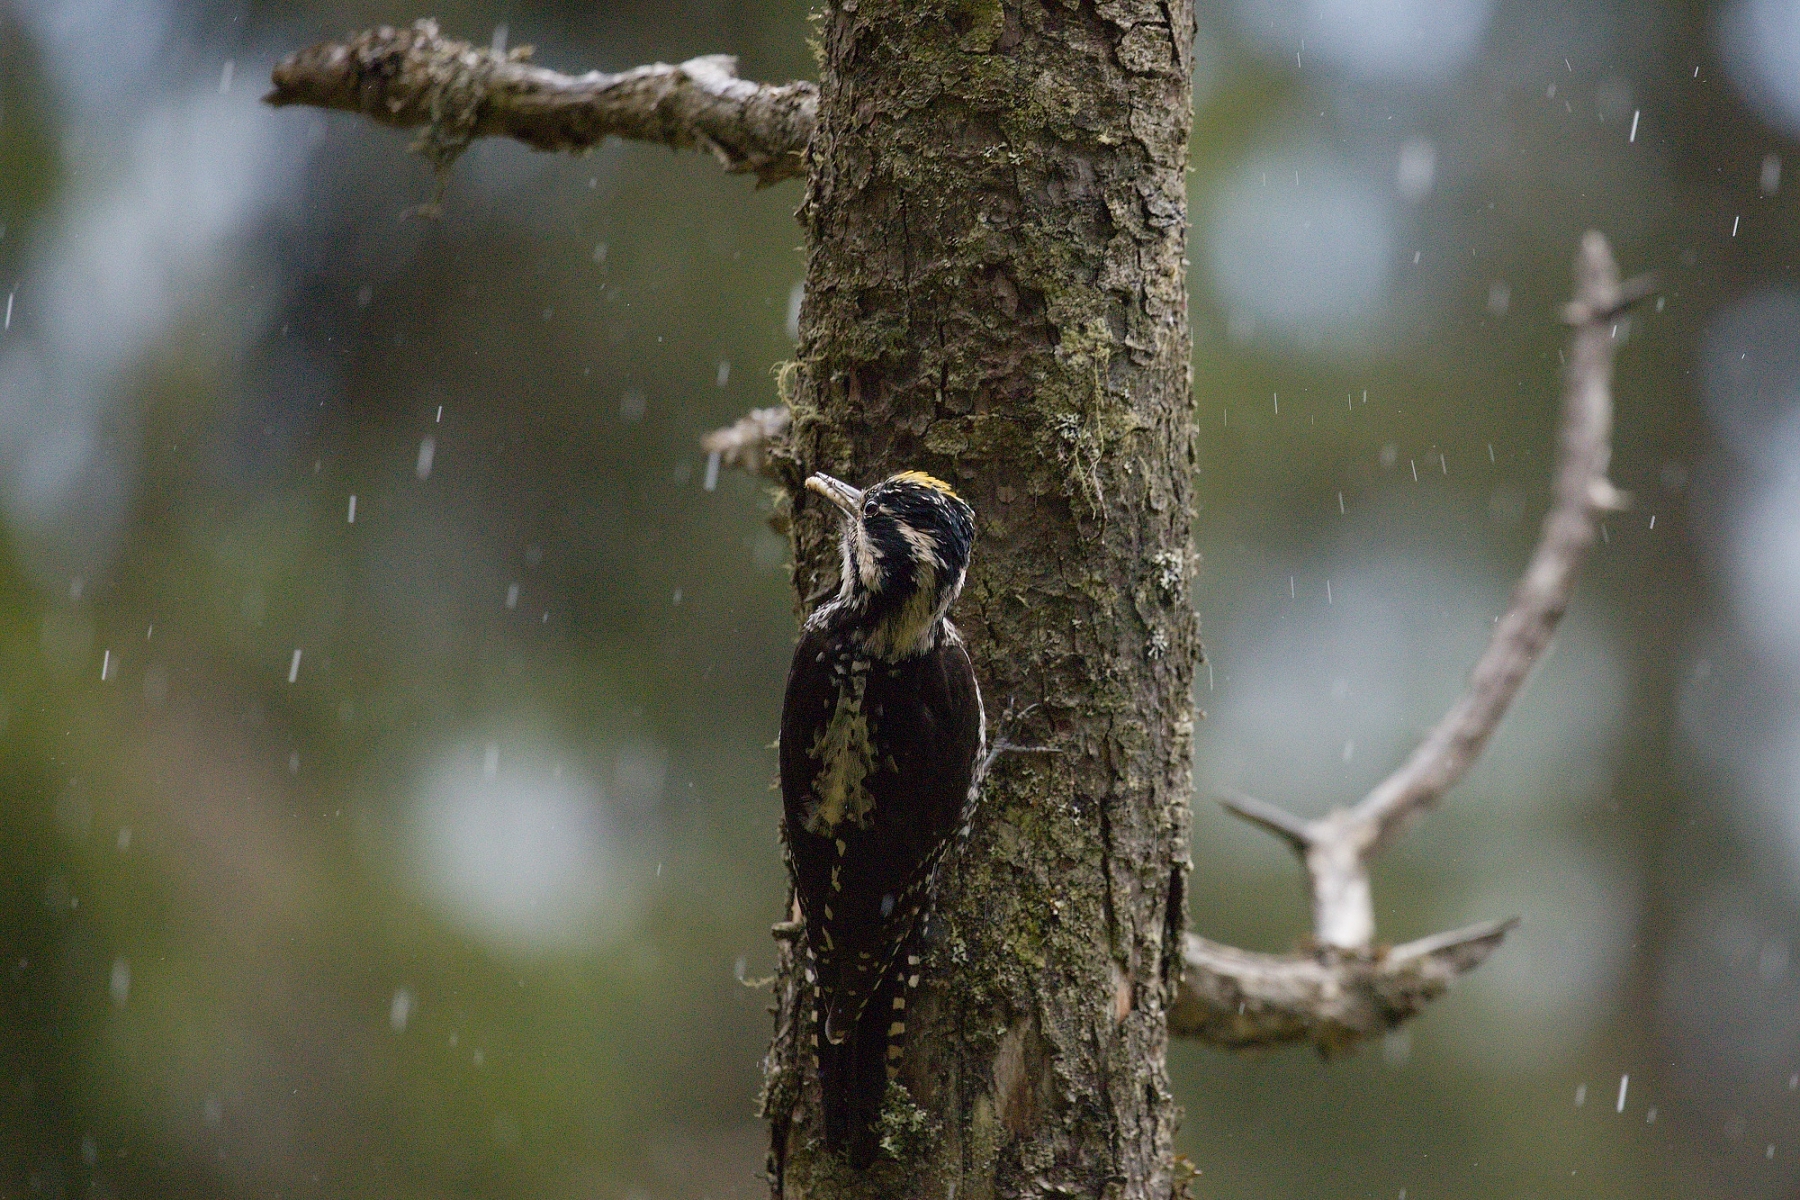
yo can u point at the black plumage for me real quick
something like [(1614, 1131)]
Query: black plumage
[(881, 732)]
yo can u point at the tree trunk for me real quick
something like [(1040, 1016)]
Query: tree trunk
[(995, 292)]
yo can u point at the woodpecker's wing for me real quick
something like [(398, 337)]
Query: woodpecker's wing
[(864, 872)]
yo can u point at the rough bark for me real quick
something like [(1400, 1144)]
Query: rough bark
[(996, 222)]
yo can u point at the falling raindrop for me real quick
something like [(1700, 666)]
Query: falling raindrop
[(796, 295), (400, 1010), (1417, 171)]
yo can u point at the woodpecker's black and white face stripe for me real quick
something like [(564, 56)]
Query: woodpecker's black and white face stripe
[(906, 548)]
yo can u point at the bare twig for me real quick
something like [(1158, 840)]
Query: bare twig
[(416, 78), (1346, 988)]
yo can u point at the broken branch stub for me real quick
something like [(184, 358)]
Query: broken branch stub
[(750, 441), (1346, 988)]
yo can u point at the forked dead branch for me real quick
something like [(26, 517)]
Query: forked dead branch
[(1344, 987)]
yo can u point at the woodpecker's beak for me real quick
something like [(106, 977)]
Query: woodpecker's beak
[(838, 492)]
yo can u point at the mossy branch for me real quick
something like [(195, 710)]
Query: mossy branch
[(455, 92)]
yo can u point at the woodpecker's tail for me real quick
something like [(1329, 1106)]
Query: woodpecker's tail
[(854, 1074)]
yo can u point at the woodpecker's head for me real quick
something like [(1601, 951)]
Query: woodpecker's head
[(906, 551)]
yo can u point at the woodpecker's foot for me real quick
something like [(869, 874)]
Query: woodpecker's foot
[(1009, 723)]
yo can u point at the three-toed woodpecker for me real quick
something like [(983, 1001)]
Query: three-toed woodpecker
[(881, 732)]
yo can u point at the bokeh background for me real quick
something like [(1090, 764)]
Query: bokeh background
[(386, 688)]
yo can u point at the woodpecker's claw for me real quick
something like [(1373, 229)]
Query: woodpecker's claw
[(1002, 744)]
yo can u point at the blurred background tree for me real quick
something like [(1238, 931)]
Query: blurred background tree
[(426, 853)]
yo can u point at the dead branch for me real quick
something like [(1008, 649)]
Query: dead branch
[(1332, 999), (1346, 988), (456, 92)]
